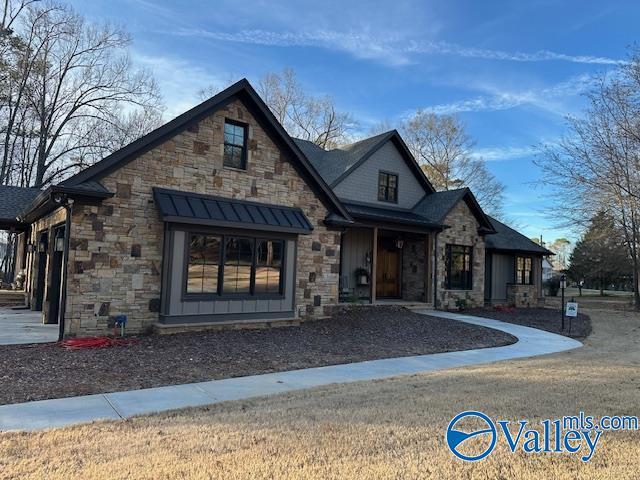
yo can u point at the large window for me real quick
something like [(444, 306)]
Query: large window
[(203, 264), (459, 265), (235, 144), (524, 274), (388, 187), (230, 265), (238, 262)]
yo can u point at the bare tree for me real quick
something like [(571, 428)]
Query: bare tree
[(305, 116), (444, 149), (70, 94), (596, 166)]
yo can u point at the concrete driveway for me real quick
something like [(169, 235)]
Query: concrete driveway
[(24, 326)]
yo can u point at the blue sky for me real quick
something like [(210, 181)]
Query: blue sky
[(510, 70)]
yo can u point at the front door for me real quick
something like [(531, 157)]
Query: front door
[(388, 270)]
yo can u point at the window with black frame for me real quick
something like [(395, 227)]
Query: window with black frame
[(203, 264), (268, 272), (220, 265), (387, 187), (524, 272), (235, 145), (458, 267)]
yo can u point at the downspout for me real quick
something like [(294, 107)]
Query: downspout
[(65, 265)]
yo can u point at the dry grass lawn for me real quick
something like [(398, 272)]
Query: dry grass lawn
[(374, 430)]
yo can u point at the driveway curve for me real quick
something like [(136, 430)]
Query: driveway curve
[(67, 411)]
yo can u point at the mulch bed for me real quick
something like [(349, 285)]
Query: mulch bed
[(351, 335), (548, 319)]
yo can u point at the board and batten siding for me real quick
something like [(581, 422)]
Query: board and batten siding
[(356, 244), (362, 184), (223, 308), (502, 267)]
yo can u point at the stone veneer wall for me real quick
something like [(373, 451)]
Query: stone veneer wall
[(414, 270), (522, 295), (463, 231), (54, 219), (116, 248)]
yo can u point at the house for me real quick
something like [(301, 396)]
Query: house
[(219, 217)]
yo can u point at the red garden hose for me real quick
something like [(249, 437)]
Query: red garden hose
[(95, 342)]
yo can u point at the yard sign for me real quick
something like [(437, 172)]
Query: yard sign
[(572, 309)]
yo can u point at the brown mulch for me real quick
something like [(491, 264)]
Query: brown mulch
[(549, 319), (351, 335)]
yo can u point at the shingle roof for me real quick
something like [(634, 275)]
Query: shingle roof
[(437, 205), (331, 164), (14, 200), (509, 239), (188, 207)]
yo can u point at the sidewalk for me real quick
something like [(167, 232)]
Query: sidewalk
[(68, 411)]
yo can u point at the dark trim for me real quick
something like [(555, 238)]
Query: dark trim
[(435, 270), (241, 90), (243, 159), (389, 175), (44, 203), (516, 251), (226, 317), (394, 136)]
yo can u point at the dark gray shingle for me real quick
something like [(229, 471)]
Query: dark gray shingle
[(14, 200), (507, 238)]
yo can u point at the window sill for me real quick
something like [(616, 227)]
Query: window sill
[(235, 169)]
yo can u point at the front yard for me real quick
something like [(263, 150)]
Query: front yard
[(351, 335), (372, 430)]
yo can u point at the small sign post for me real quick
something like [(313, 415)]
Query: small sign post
[(563, 285), (572, 312)]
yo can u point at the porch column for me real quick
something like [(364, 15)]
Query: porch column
[(374, 265), (428, 270)]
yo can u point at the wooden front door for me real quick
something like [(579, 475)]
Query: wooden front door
[(388, 271)]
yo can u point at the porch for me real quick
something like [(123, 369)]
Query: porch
[(385, 266)]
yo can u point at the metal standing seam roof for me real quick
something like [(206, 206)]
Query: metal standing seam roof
[(391, 215), (194, 208)]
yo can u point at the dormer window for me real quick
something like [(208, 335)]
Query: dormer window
[(235, 144), (387, 187)]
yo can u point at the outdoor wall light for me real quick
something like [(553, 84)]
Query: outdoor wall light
[(29, 247), (59, 245), (399, 243), (42, 247)]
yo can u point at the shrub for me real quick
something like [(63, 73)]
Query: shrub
[(553, 286)]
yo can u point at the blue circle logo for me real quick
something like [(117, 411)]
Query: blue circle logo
[(456, 437)]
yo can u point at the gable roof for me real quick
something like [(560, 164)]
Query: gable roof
[(337, 164), (436, 207), (508, 239), (12, 203), (241, 90)]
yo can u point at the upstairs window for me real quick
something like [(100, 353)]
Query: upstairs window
[(388, 187), (524, 274), (458, 267), (235, 145)]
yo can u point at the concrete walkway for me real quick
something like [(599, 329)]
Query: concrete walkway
[(68, 411), (23, 327)]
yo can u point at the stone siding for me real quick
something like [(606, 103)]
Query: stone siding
[(463, 231), (524, 296), (116, 248), (414, 270)]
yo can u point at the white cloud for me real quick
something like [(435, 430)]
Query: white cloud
[(497, 154), (180, 81), (392, 48), (546, 98)]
